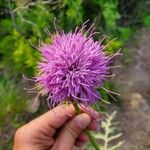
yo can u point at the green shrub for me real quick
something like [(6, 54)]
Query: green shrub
[(69, 14), (12, 102), (108, 13), (146, 21), (31, 17), (18, 55)]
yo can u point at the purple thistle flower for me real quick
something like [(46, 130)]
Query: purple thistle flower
[(73, 66)]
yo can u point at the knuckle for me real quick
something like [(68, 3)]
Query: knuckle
[(72, 132), (20, 133)]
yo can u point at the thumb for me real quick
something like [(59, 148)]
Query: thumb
[(71, 131)]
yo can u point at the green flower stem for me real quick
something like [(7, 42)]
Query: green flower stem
[(91, 138)]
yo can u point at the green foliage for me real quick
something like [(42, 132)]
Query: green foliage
[(125, 33), (12, 102), (109, 134), (146, 20), (109, 14), (33, 19), (146, 14), (106, 96), (27, 19), (113, 46), (70, 14), (12, 109), (19, 56), (104, 93)]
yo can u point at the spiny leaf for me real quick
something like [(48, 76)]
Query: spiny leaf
[(109, 126), (115, 147), (114, 137)]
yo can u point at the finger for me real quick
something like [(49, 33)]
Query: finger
[(59, 115), (94, 114), (93, 125), (71, 131), (82, 138), (80, 144)]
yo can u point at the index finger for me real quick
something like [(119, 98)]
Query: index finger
[(61, 114), (57, 116)]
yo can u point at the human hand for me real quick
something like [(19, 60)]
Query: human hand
[(58, 129)]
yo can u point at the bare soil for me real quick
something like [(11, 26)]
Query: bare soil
[(134, 83)]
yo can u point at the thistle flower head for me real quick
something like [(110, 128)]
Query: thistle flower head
[(72, 66)]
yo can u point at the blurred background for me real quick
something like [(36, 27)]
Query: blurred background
[(23, 22)]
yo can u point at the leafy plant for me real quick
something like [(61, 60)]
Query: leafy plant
[(19, 56), (109, 135), (146, 20), (12, 102), (109, 14), (27, 20), (69, 14)]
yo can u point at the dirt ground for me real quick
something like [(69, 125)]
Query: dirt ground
[(134, 84)]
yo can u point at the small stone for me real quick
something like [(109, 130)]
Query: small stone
[(138, 103)]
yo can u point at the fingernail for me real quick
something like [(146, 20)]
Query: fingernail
[(82, 121)]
